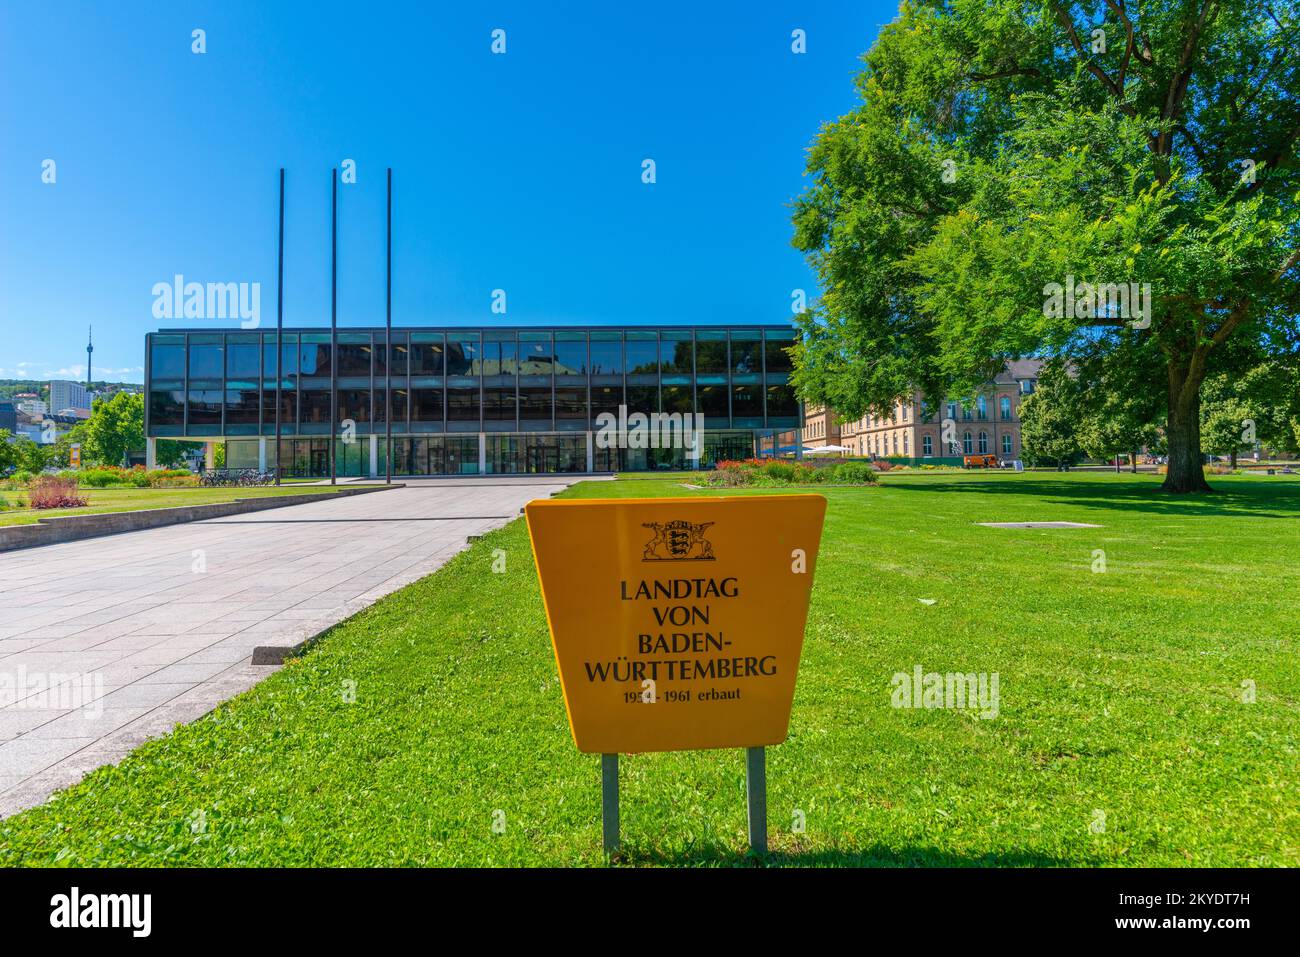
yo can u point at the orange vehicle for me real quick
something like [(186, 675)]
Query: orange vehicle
[(984, 461)]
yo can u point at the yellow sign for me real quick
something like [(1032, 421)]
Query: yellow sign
[(677, 622), (74, 456)]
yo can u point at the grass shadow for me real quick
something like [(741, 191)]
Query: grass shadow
[(1240, 499), (877, 855)]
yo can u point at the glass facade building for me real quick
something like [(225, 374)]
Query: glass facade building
[(489, 400)]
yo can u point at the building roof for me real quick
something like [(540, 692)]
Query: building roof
[(1016, 369)]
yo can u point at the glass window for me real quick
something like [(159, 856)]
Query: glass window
[(1004, 408), (747, 404), (605, 398), (678, 398), (642, 353), (288, 357), (426, 354), (462, 354), (642, 398), (316, 407), (746, 353), (984, 442), (570, 407), (534, 404), (982, 405), (499, 404), (712, 400), (399, 354), (775, 355), (570, 353), (500, 354), (243, 359), (536, 355), (354, 404), (711, 352), (426, 409), (354, 357), (288, 410), (242, 403), (205, 360), (782, 404), (927, 445), (966, 444), (166, 360), (204, 407), (397, 406), (1006, 443), (606, 353), (504, 454), (314, 356), (462, 403), (676, 353), (166, 407)]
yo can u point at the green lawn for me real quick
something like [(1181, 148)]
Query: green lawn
[(1120, 693), (135, 499)]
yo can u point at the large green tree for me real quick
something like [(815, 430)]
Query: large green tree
[(1050, 418), (115, 427), (1037, 177)]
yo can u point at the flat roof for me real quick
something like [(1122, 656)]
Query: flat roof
[(634, 327)]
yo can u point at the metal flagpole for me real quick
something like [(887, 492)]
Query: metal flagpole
[(388, 344), (334, 318), (279, 334)]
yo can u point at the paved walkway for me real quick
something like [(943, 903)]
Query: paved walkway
[(107, 642)]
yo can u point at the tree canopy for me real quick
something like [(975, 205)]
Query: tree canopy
[(1101, 179)]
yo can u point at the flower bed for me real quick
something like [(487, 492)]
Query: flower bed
[(54, 491), (776, 473)]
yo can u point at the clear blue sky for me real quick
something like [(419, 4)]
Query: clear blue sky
[(519, 171)]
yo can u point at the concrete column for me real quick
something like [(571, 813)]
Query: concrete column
[(591, 454), (261, 455), (374, 456), (209, 455), (482, 453), (151, 453)]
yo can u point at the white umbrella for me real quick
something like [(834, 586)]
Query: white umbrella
[(824, 449)]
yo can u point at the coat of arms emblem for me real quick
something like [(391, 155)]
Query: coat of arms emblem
[(678, 541)]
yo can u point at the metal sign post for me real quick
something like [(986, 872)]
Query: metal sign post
[(756, 798), (609, 802)]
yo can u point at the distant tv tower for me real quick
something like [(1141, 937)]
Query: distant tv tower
[(90, 333)]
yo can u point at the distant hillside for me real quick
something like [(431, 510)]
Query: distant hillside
[(11, 387)]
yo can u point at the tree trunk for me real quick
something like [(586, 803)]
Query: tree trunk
[(1232, 459), (1133, 462), (1183, 432)]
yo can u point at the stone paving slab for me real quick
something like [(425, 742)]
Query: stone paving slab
[(107, 642)]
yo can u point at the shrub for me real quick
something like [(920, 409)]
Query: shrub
[(53, 491), (171, 478), (99, 477), (781, 471), (855, 473), (22, 477)]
